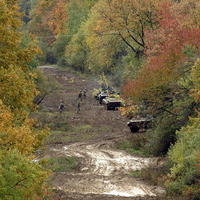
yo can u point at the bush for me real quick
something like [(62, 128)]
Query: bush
[(19, 177), (163, 133), (162, 136), (184, 176)]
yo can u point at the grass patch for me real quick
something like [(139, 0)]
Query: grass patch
[(65, 134), (61, 164), (83, 129), (61, 137), (155, 176), (60, 126), (53, 120), (86, 128), (134, 145)]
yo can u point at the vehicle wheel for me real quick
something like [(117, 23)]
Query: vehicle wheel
[(134, 129)]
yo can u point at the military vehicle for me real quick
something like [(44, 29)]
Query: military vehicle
[(96, 96), (99, 92), (139, 124), (112, 103), (102, 96)]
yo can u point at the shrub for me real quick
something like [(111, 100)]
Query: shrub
[(163, 133), (19, 177), (184, 175)]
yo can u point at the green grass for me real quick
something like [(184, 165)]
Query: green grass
[(53, 120), (87, 128), (70, 134), (155, 176), (83, 129), (132, 148), (61, 164), (136, 174), (59, 136), (60, 126)]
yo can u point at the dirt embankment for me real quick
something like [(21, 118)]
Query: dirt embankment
[(90, 135)]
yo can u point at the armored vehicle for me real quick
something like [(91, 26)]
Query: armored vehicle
[(112, 103), (96, 96), (139, 124), (102, 96)]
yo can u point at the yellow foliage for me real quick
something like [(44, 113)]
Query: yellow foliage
[(17, 86), (19, 177), (103, 80), (96, 91), (49, 17), (115, 24), (17, 89), (129, 111), (13, 136), (21, 137)]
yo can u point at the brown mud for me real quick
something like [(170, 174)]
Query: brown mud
[(104, 170)]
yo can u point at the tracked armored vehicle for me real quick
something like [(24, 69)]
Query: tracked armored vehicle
[(102, 95), (112, 103), (139, 124)]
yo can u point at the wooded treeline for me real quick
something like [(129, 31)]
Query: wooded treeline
[(20, 177), (149, 48)]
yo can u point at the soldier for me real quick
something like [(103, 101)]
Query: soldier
[(80, 95), (78, 107), (84, 93), (61, 107)]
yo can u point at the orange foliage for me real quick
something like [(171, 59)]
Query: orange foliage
[(164, 52), (49, 18), (57, 17)]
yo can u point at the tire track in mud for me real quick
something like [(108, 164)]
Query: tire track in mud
[(104, 171)]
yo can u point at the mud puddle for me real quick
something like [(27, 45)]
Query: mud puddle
[(105, 171)]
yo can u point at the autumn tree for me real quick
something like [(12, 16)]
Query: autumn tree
[(14, 62), (55, 23), (49, 19), (78, 11), (76, 50), (163, 83), (166, 62), (20, 178), (189, 9), (125, 20), (167, 87)]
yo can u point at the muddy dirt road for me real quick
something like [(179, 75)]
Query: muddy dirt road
[(104, 172)]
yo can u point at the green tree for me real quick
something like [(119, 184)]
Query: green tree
[(20, 178)]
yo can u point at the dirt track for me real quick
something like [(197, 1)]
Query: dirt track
[(104, 171)]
